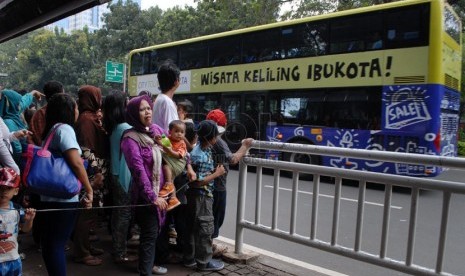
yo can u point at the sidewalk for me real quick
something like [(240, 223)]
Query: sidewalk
[(263, 265)]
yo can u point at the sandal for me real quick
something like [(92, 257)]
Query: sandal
[(89, 260), (94, 251)]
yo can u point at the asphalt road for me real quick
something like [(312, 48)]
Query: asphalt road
[(427, 224)]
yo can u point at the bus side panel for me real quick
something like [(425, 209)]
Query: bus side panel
[(412, 122)]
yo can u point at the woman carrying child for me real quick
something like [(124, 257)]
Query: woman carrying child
[(144, 160)]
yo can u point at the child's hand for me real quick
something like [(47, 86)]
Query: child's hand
[(29, 214), (220, 170), (157, 139)]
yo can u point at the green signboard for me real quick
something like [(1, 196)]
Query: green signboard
[(114, 72)]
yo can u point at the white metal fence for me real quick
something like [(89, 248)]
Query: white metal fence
[(447, 188)]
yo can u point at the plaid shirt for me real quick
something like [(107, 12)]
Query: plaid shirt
[(202, 161)]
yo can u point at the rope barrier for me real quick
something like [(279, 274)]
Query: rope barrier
[(94, 208)]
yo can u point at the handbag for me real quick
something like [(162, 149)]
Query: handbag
[(47, 174)]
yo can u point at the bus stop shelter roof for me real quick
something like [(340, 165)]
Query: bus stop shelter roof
[(18, 17)]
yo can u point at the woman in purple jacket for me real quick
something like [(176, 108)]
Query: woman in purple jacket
[(144, 161)]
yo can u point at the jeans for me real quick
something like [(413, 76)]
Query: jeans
[(55, 233), (219, 211), (11, 268), (199, 228), (147, 219), (120, 218)]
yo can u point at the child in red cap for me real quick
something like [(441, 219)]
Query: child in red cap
[(11, 221), (222, 155)]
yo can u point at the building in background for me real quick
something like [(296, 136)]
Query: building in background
[(92, 18)]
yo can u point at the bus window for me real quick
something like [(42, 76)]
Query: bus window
[(225, 51), (452, 24), (232, 107), (204, 103), (407, 27), (193, 56), (304, 40), (139, 64), (165, 54), (262, 45), (153, 62), (356, 33), (344, 108)]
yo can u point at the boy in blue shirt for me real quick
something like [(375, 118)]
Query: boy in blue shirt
[(198, 241)]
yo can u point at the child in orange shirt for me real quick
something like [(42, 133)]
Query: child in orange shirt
[(174, 161)]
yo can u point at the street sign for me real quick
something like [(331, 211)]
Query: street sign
[(114, 72)]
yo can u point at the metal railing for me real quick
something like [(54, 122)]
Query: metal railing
[(405, 265)]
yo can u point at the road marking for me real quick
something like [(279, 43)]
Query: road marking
[(277, 256), (342, 198)]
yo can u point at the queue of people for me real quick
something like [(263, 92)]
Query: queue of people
[(172, 189)]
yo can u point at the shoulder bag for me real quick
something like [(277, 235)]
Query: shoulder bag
[(46, 174)]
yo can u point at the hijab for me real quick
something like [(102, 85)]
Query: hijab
[(89, 128), (90, 99), (11, 107), (133, 117)]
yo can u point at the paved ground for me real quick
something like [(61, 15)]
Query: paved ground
[(263, 265)]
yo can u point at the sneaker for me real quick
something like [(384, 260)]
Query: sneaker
[(212, 265), (189, 264), (167, 189), (173, 202), (159, 270)]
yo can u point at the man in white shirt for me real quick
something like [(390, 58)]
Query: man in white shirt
[(164, 108)]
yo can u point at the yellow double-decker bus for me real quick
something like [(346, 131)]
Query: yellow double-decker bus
[(385, 77)]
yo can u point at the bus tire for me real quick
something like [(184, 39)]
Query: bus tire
[(300, 158)]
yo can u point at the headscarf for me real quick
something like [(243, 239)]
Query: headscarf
[(89, 128), (90, 99), (133, 117), (11, 107)]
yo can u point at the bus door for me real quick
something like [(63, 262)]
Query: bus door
[(252, 115), (235, 131)]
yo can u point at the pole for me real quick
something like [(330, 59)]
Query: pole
[(124, 77)]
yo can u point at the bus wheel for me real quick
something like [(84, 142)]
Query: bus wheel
[(303, 159)]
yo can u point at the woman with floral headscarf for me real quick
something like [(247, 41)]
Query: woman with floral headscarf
[(144, 161), (94, 142), (12, 106)]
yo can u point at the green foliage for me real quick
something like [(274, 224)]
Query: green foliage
[(461, 148)]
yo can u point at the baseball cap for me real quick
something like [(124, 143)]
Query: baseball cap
[(207, 129), (218, 117), (8, 177)]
